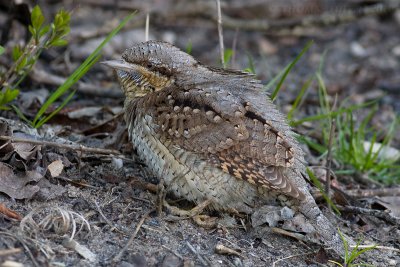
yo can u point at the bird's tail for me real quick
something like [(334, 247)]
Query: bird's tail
[(328, 234)]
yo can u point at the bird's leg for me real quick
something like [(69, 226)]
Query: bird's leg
[(161, 192), (187, 213), (200, 219), (194, 213)]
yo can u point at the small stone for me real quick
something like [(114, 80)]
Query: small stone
[(358, 50), (137, 260), (170, 260), (117, 163), (396, 50)]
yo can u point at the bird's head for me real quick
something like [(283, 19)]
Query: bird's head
[(151, 66)]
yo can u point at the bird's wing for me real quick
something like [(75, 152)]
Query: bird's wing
[(228, 134)]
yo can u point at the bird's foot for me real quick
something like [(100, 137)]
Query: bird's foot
[(195, 214)]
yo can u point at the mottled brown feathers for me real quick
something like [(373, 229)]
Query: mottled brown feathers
[(246, 145), (206, 111), (212, 134)]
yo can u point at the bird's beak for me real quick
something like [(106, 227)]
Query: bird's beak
[(118, 65)]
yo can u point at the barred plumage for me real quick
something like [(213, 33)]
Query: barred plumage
[(212, 134)]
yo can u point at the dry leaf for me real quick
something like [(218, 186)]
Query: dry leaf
[(9, 213), (80, 249), (270, 215), (391, 203), (5, 146), (18, 186), (55, 168), (9, 263), (84, 112), (48, 190), (25, 151)]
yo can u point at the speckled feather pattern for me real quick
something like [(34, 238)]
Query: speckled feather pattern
[(213, 134)]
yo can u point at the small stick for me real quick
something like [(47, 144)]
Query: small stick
[(9, 213), (377, 247), (204, 261), (60, 177), (234, 44), (106, 219), (11, 251), (174, 252), (291, 256), (220, 33), (281, 231), (42, 76), (380, 192), (146, 36), (136, 182), (66, 146), (370, 212), (139, 225), (224, 250), (329, 156)]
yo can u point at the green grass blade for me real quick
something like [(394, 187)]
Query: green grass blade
[(371, 156), (345, 246), (322, 94), (299, 97), (63, 104), (356, 254), (250, 67), (273, 80), (386, 140), (322, 63), (313, 145), (332, 114), (189, 47), (20, 114), (318, 184), (78, 73), (288, 69)]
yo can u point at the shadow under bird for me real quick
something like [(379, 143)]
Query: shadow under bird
[(213, 135)]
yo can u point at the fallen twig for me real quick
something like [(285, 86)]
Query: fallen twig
[(325, 19), (23, 243), (136, 182), (9, 213), (329, 156), (8, 252), (139, 225), (381, 192), (224, 250), (202, 259), (378, 247), (80, 148), (291, 256), (370, 212), (112, 225), (204, 9), (44, 77), (174, 252), (82, 184), (297, 236)]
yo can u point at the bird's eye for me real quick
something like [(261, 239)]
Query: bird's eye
[(149, 65)]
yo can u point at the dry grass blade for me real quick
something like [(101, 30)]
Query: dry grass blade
[(58, 220), (220, 33), (329, 155)]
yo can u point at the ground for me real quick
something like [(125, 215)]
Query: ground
[(87, 214)]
